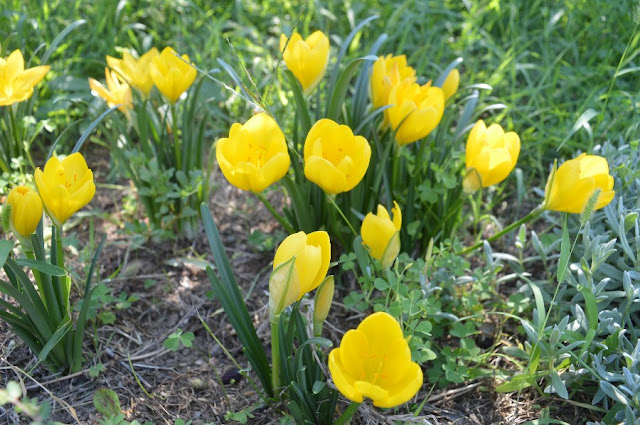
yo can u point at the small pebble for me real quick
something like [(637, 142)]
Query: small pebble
[(198, 383), (231, 376)]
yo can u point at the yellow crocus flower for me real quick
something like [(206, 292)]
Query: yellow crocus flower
[(117, 91), (172, 75), (491, 154), (416, 110), (17, 83), (254, 155), (65, 186), (386, 73), (306, 59), (574, 183), (334, 158), (26, 210), (299, 266), (374, 361), (381, 234), (136, 72)]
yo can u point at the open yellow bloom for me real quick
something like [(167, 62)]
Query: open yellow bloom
[(386, 73), (26, 210), (451, 84), (334, 158), (171, 75), (65, 186), (17, 83), (575, 182), (381, 235), (416, 110), (374, 361), (255, 155), (306, 59), (136, 72), (299, 266), (491, 154), (117, 91)]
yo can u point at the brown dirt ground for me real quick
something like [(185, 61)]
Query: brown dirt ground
[(187, 384)]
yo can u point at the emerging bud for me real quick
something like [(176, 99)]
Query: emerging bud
[(322, 305), (25, 211)]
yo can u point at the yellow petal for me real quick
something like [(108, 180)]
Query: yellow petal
[(275, 169), (321, 172), (451, 83), (376, 234), (341, 379), (406, 388), (397, 215), (475, 142), (321, 240), (380, 328)]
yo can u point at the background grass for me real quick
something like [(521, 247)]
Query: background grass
[(551, 65)]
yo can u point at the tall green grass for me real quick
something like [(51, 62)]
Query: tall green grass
[(551, 65)]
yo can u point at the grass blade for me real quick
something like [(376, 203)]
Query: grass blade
[(339, 92), (41, 266)]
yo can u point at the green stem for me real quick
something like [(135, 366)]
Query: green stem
[(14, 130), (532, 215), (176, 140), (60, 259), (345, 418), (283, 221), (342, 215), (275, 356), (62, 287), (36, 274)]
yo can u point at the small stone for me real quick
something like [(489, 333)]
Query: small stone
[(231, 376), (198, 384)]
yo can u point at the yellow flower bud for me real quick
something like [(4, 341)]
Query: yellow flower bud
[(65, 186), (574, 183), (117, 91), (306, 59), (386, 73), (136, 72), (380, 234), (374, 361), (26, 210), (322, 304), (255, 155), (451, 84), (334, 158), (299, 266), (416, 110), (491, 154), (17, 83), (171, 75)]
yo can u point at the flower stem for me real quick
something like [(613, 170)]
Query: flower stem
[(275, 356), (177, 150), (345, 418), (531, 216), (342, 215), (283, 221)]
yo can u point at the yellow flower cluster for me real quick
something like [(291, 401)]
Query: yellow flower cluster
[(64, 187), (255, 155), (170, 73), (413, 110), (373, 360)]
